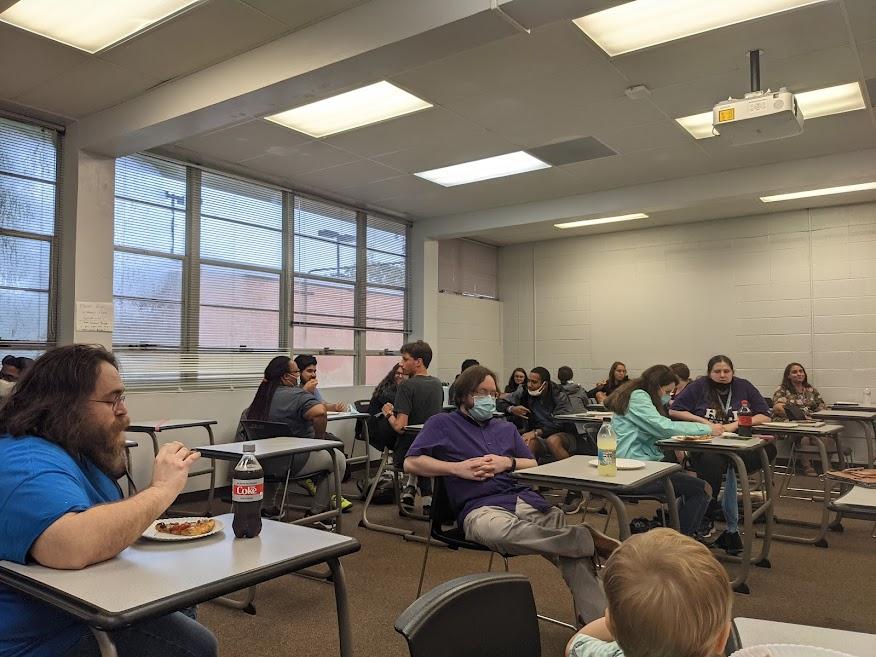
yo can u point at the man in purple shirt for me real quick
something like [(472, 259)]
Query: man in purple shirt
[(476, 454)]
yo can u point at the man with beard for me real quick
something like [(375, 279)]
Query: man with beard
[(61, 451), (476, 454)]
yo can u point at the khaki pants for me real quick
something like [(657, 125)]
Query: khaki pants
[(530, 531)]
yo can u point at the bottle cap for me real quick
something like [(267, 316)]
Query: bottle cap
[(248, 448)]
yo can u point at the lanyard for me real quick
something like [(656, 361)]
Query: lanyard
[(726, 407)]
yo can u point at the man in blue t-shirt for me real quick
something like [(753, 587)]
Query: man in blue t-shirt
[(61, 450)]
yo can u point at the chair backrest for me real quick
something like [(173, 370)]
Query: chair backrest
[(481, 615), (441, 513), (361, 405), (259, 429)]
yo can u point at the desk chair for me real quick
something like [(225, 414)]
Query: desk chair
[(481, 615), (261, 429), (443, 529), (387, 465)]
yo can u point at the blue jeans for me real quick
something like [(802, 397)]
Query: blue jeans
[(692, 495), (174, 634)]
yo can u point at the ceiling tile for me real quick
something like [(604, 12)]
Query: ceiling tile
[(662, 134), (868, 59), (292, 161), (209, 33), (245, 141), (93, 86), (390, 188), (781, 36), (29, 60), (360, 172), (301, 13), (862, 18)]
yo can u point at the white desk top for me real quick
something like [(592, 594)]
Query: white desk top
[(151, 578), (715, 443), (755, 632), (809, 430), (577, 470), (841, 414), (590, 416), (413, 427), (859, 496), (166, 425), (856, 407), (344, 415), (268, 447)]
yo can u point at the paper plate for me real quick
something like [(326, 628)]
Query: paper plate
[(154, 535), (787, 650), (623, 464), (699, 439), (781, 425)]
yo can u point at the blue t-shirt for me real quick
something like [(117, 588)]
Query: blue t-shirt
[(39, 483)]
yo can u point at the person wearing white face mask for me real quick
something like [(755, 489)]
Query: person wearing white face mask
[(640, 421), (475, 454), (537, 403)]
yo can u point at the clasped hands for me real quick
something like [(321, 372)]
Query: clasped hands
[(484, 467)]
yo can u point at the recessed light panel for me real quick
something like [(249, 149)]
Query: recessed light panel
[(603, 220), (825, 191), (353, 109), (813, 104), (643, 23), (90, 25), (485, 169)]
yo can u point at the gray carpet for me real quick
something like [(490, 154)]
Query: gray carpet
[(831, 587)]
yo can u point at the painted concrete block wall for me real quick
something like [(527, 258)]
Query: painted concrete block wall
[(765, 290), (468, 328)]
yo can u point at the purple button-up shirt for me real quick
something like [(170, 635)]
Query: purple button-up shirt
[(456, 437)]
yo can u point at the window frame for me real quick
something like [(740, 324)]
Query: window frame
[(190, 300)]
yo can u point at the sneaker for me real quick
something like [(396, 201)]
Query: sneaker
[(346, 504), (707, 528), (427, 505), (310, 487), (408, 495), (573, 503), (730, 542)]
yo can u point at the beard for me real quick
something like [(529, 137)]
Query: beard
[(105, 446)]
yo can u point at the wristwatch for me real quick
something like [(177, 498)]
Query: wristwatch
[(513, 464)]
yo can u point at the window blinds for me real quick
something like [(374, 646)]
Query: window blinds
[(28, 249)]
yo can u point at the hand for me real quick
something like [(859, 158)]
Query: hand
[(491, 465), (311, 385), (519, 411), (717, 429), (171, 469), (387, 409), (340, 407), (471, 469)]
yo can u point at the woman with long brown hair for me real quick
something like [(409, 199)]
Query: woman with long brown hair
[(617, 376)]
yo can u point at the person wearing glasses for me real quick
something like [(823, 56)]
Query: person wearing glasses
[(476, 455), (62, 448)]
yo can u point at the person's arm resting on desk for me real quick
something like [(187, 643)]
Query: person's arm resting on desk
[(78, 539), (318, 417)]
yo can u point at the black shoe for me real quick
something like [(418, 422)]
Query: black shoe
[(715, 512), (707, 527), (730, 542), (639, 525)]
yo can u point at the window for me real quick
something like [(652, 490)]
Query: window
[(210, 284), (28, 249)]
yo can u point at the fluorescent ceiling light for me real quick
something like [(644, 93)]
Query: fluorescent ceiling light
[(90, 25), (376, 102), (814, 104), (489, 167), (826, 191), (603, 220), (643, 23)]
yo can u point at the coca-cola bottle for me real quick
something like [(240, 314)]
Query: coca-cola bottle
[(247, 491), (744, 418)]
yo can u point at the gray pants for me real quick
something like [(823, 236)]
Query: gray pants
[(530, 531), (318, 464)]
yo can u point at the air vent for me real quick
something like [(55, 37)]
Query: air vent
[(574, 150)]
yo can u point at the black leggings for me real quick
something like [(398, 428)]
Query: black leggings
[(710, 467)]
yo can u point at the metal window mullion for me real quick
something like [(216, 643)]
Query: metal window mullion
[(407, 303), (55, 251), (238, 266), (24, 235), (149, 253), (191, 296), (287, 249), (360, 298)]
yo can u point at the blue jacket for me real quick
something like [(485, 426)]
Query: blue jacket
[(642, 426)]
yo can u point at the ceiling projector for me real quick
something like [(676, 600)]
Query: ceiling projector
[(759, 116)]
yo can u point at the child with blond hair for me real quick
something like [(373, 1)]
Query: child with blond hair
[(667, 597)]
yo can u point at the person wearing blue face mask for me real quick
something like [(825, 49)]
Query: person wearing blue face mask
[(476, 455), (640, 420)]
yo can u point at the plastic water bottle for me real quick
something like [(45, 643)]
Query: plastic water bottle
[(606, 444), (868, 397)]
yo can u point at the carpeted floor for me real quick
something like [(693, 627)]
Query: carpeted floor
[(831, 587)]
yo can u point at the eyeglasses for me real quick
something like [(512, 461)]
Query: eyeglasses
[(494, 395), (115, 403)]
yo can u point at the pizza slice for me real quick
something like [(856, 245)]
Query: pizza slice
[(196, 528)]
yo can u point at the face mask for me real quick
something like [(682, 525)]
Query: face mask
[(664, 399), (483, 408), (536, 393)]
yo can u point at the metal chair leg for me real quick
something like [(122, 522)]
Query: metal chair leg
[(423, 568)]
